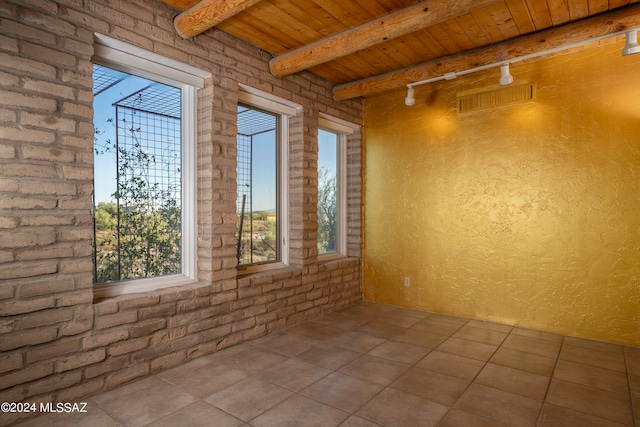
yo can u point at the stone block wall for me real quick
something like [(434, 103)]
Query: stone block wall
[(57, 342)]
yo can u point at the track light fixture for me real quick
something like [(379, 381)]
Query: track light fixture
[(631, 45), (410, 99), (506, 78), (505, 75)]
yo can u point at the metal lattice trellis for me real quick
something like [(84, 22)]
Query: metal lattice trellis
[(149, 133), (146, 156), (251, 123), (105, 78)]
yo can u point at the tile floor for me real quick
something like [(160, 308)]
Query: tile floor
[(379, 365)]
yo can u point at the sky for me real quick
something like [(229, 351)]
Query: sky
[(104, 164), (264, 172), (328, 150)]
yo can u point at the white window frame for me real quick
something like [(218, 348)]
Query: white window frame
[(284, 109), (342, 129), (133, 60)]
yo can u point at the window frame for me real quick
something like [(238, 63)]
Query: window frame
[(284, 110), (342, 129), (133, 60)]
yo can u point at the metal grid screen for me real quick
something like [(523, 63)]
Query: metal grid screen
[(149, 145), (148, 182), (104, 78), (251, 246)]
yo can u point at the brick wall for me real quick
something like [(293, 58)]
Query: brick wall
[(56, 343)]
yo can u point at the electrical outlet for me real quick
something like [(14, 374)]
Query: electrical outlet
[(407, 282)]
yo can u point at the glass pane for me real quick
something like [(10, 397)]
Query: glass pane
[(257, 201), (137, 170), (327, 192)]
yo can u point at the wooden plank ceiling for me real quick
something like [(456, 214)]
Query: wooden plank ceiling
[(398, 42)]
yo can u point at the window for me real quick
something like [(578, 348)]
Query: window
[(328, 197), (144, 169), (258, 193), (332, 198), (262, 183)]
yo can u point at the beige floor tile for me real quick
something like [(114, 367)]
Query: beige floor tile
[(404, 320), (360, 309), (355, 421), (458, 418), (294, 374), (374, 369), (330, 357), (404, 311), (449, 319), (94, 417), (595, 345), (452, 365), (394, 408), (599, 403), (604, 379), (532, 345), (373, 364), (380, 309), (633, 359), (554, 416), (132, 388), (594, 357), (466, 348), (356, 341), (431, 385), (340, 321), (300, 411), (538, 335), (501, 406), (249, 358), (342, 391), (437, 327), (249, 398), (514, 381), (208, 379), (287, 343), (138, 403), (197, 414), (483, 335), (180, 370), (529, 362), (392, 309), (400, 352), (380, 329), (316, 331), (634, 382), (420, 338), (489, 325)]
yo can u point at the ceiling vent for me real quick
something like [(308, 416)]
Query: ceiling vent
[(495, 98)]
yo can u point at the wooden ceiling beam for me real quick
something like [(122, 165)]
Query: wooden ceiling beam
[(396, 24), (608, 23), (207, 14)]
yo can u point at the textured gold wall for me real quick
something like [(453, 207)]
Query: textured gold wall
[(526, 215)]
